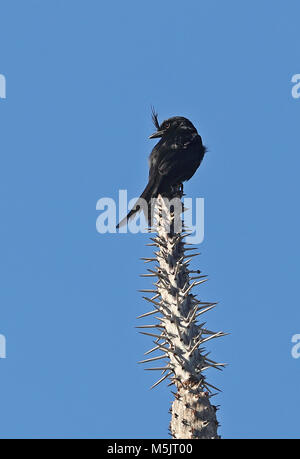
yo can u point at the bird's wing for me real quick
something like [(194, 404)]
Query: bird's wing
[(181, 162)]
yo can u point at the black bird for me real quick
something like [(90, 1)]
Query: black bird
[(173, 160)]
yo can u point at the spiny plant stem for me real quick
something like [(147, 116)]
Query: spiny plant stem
[(177, 336)]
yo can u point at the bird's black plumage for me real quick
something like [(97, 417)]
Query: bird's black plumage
[(173, 160)]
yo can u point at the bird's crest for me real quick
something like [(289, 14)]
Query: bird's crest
[(155, 118)]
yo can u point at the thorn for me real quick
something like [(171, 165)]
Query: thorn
[(159, 255), (159, 368), (162, 319), (189, 289), (206, 309), (152, 271), (147, 314), (205, 368), (161, 380), (163, 348), (155, 336), (158, 305), (178, 329), (186, 262), (192, 254), (201, 282), (198, 277), (192, 316), (162, 277), (163, 283), (171, 383), (177, 266), (156, 341), (153, 358), (216, 335), (203, 303), (151, 350), (159, 242), (206, 331), (148, 260), (194, 347), (210, 385), (181, 236), (155, 296), (215, 364)]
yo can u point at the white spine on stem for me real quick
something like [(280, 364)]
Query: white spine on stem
[(177, 333)]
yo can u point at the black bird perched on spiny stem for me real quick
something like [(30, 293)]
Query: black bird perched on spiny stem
[(173, 160)]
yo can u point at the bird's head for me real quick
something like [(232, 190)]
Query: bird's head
[(177, 125)]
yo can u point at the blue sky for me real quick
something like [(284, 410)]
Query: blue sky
[(81, 77)]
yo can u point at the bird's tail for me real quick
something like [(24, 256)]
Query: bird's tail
[(141, 204)]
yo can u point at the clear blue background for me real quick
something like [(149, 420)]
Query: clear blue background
[(81, 76)]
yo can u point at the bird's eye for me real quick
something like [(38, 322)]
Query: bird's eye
[(167, 126)]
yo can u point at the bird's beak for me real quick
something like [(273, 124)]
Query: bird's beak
[(156, 134)]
